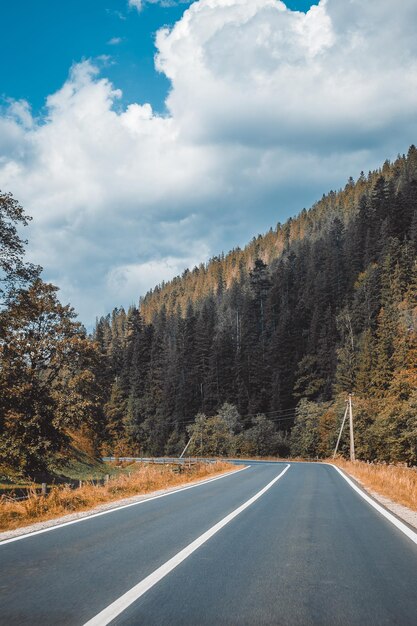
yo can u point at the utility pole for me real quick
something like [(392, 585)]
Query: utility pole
[(237, 332), (341, 430), (352, 439), (185, 449), (262, 329)]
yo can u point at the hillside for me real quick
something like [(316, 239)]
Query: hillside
[(252, 354), (223, 270), (319, 307)]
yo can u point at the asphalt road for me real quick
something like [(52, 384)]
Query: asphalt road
[(308, 550)]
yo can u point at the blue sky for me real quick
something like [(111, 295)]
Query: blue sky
[(145, 136), (41, 40)]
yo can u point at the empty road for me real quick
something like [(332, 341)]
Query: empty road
[(271, 544)]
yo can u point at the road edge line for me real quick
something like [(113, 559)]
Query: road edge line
[(117, 607), (411, 534), (118, 508)]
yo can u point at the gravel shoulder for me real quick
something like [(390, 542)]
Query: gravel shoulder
[(403, 512)]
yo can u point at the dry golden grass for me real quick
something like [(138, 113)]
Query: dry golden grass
[(62, 500), (392, 481)]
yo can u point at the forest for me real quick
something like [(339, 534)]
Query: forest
[(253, 353)]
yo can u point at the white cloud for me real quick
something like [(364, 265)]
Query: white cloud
[(114, 41), (256, 72), (136, 4), (139, 4), (135, 278), (268, 109)]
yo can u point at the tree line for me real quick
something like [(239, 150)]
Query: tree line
[(252, 353), (283, 330)]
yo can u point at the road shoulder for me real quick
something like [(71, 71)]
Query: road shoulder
[(400, 511)]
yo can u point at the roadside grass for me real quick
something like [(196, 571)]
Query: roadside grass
[(398, 483), (138, 479), (80, 465), (76, 464)]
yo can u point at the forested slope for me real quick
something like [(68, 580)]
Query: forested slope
[(323, 305), (253, 353)]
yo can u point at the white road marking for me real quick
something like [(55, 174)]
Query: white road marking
[(121, 604), (411, 534), (119, 508)]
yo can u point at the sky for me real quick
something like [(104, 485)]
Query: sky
[(145, 136)]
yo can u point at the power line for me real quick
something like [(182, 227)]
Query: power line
[(274, 418), (277, 411)]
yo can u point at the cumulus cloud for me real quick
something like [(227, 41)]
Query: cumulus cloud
[(263, 75), (268, 108)]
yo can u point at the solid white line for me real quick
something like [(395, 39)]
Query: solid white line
[(389, 516), (119, 508), (121, 604)]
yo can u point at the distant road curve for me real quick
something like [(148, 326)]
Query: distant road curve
[(278, 543)]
